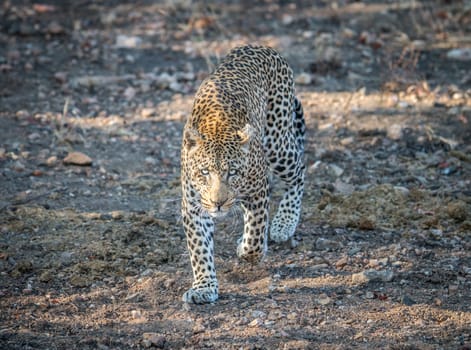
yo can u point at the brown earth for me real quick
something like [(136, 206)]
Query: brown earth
[(93, 256)]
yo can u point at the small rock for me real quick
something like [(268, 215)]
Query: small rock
[(198, 328), (55, 28), (304, 79), (373, 263), (150, 160), (343, 187), (77, 158), (366, 223), (147, 112), (129, 93), (258, 314), (117, 215), (326, 244), (320, 266), (457, 210), (18, 166), (348, 33), (43, 8), (129, 42), (369, 295), (337, 171), (255, 323), (347, 141), (136, 314), (287, 19), (436, 233), (60, 77), (153, 339), (394, 131), (147, 272), (66, 257), (402, 190), (46, 276), (452, 288), (51, 161), (372, 276), (341, 262), (462, 54), (22, 267), (323, 299), (34, 136), (79, 281)]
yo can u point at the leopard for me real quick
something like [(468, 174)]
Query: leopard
[(246, 125)]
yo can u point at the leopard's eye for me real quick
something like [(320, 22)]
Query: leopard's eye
[(233, 172), (204, 172)]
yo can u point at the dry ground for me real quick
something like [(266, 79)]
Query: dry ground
[(94, 257)]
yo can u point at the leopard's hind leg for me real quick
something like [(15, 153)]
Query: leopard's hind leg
[(287, 163)]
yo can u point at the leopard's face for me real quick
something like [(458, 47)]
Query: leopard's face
[(218, 170)]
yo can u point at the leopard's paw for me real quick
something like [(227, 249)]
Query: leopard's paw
[(200, 295), (281, 231), (250, 254)]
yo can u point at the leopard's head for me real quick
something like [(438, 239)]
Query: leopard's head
[(218, 166)]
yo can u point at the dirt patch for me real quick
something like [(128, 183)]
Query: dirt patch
[(93, 99)]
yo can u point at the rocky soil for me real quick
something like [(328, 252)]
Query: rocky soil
[(93, 98)]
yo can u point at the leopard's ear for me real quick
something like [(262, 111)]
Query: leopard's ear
[(191, 138), (245, 134)]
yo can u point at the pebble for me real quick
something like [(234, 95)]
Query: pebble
[(60, 77), (373, 276), (341, 262), (463, 54), (66, 257), (22, 267), (255, 323), (147, 272), (457, 210), (147, 112), (129, 93), (337, 171), (394, 132), (46, 276), (369, 295), (343, 188), (51, 161), (258, 314), (326, 244), (323, 299), (153, 339), (304, 79), (378, 262), (55, 28), (127, 42), (77, 158)]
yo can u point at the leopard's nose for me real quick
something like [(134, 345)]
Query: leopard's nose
[(219, 203)]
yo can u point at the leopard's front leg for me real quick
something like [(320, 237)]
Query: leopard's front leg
[(199, 230), (253, 244)]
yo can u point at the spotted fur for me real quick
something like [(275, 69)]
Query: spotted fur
[(245, 121)]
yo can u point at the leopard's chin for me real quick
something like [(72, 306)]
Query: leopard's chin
[(216, 214)]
